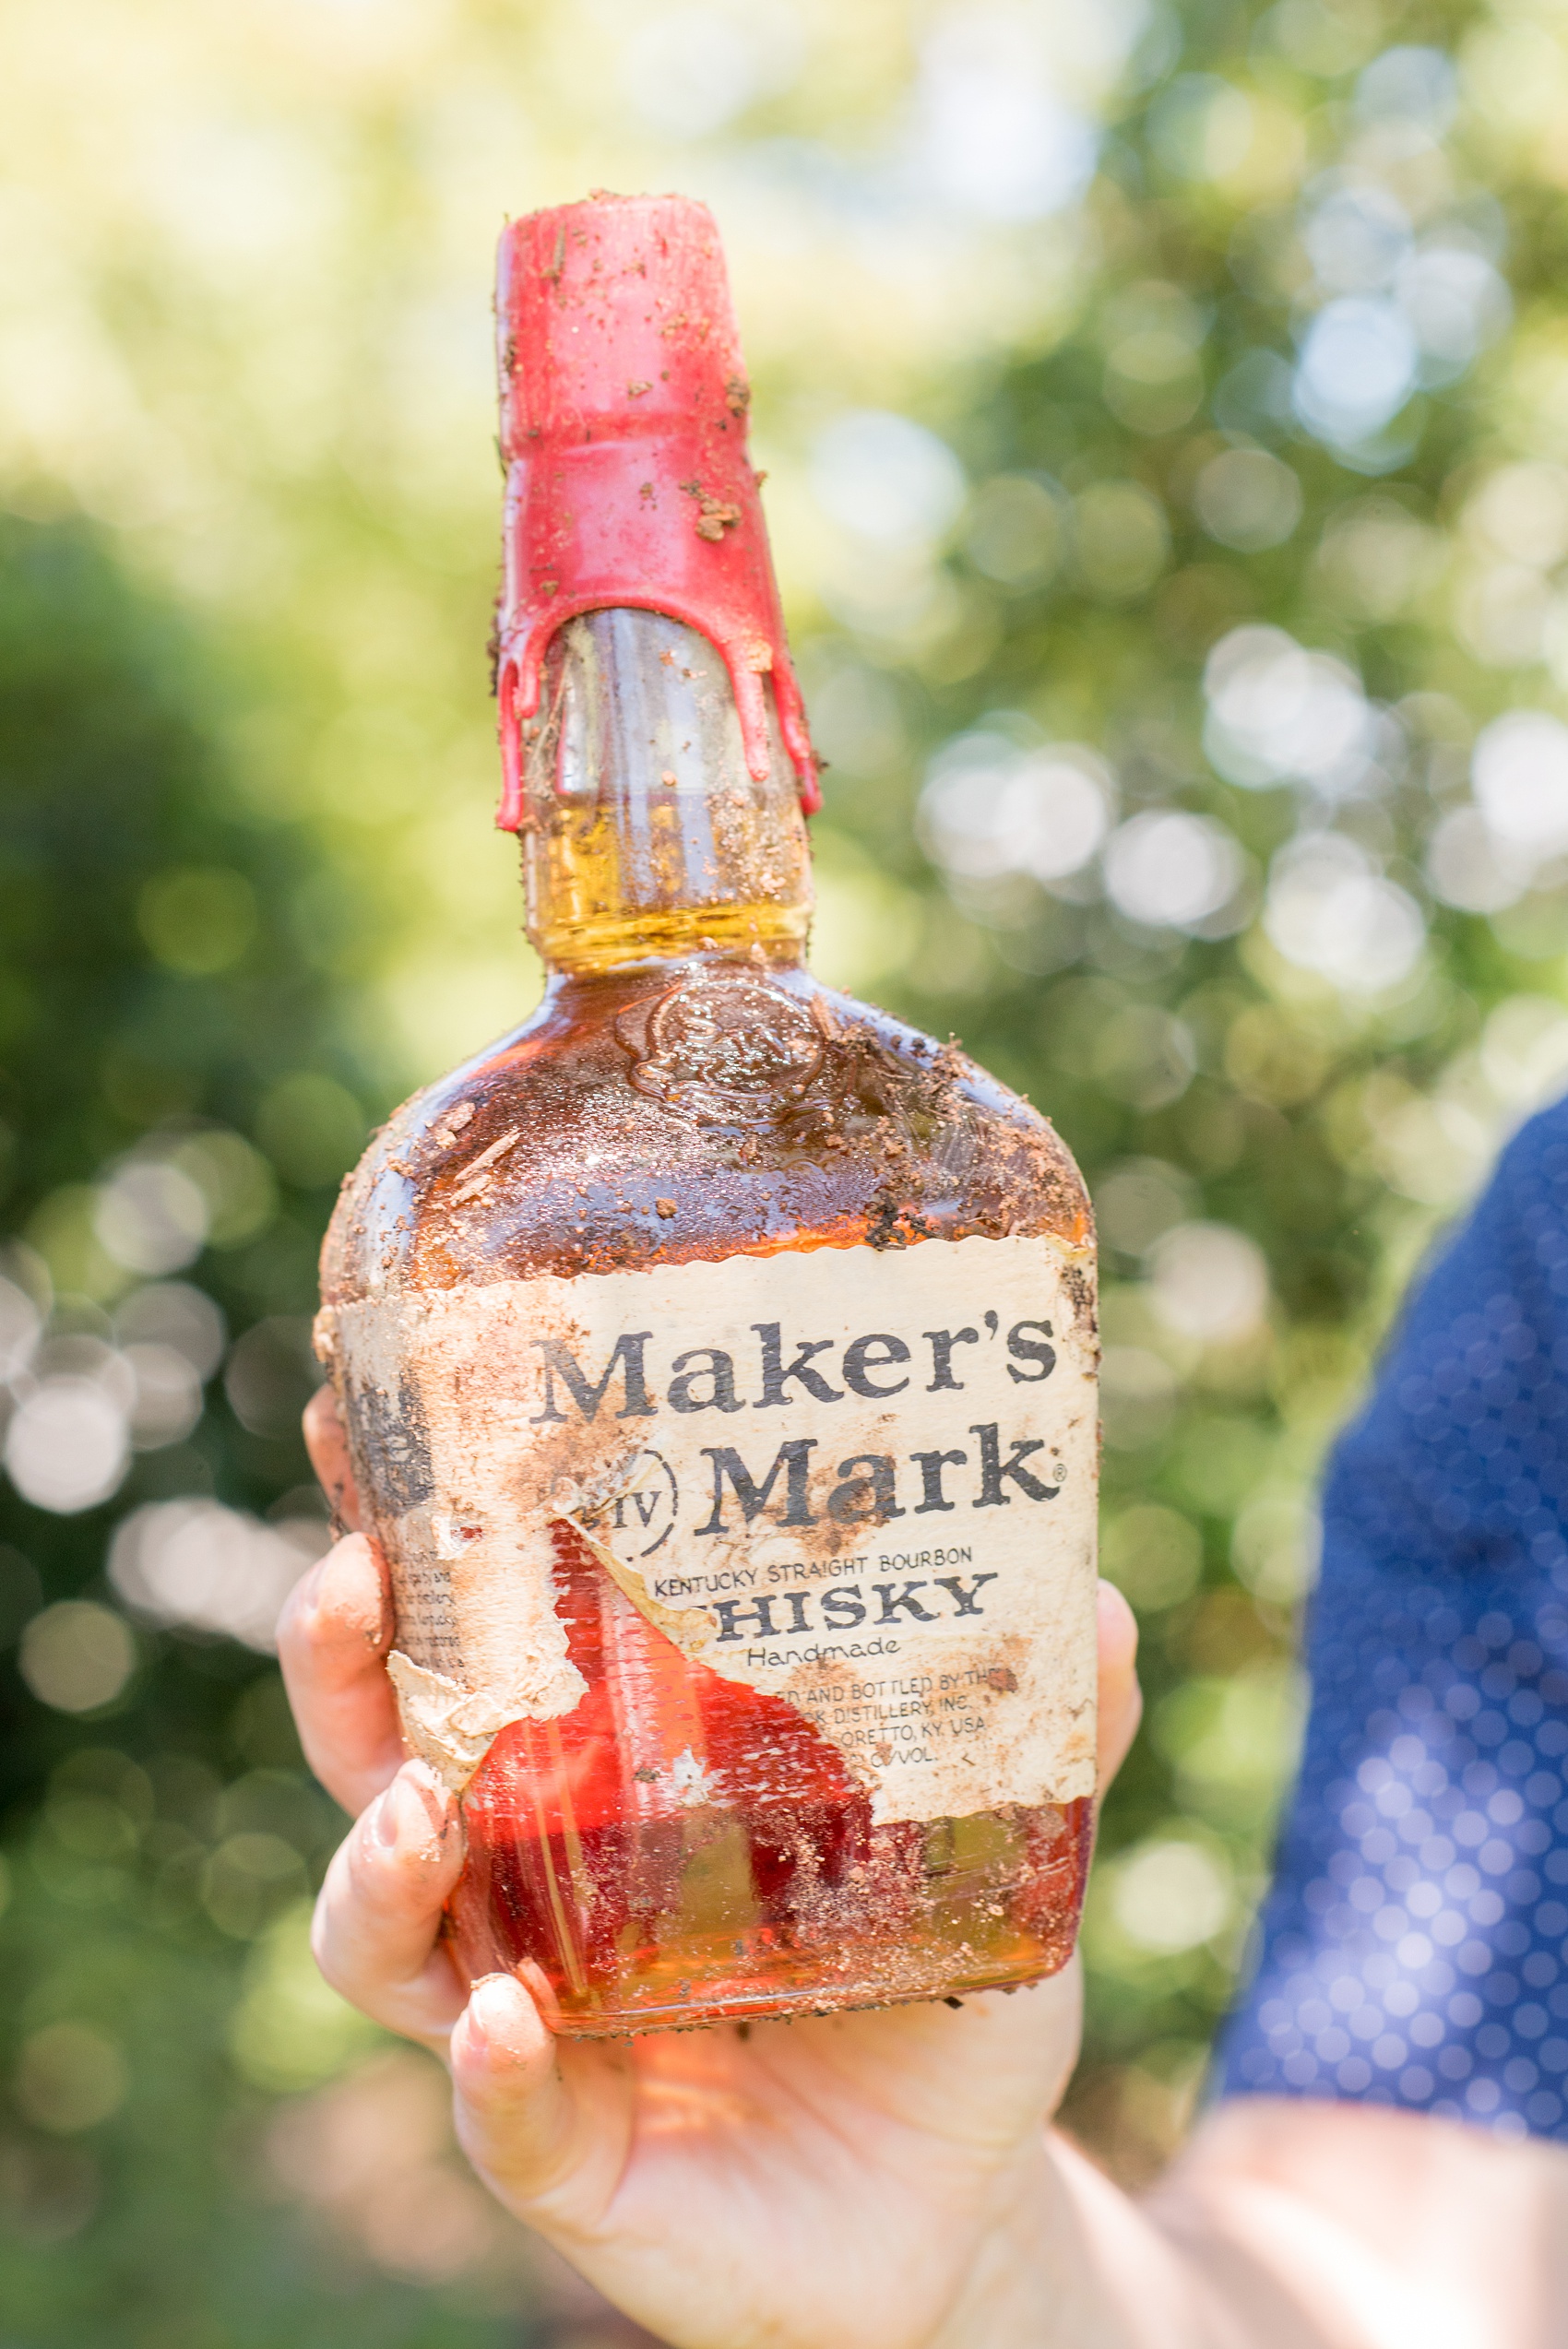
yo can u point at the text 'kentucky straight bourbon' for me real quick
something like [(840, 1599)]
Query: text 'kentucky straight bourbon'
[(718, 1355)]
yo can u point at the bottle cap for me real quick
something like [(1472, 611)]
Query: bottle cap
[(624, 399)]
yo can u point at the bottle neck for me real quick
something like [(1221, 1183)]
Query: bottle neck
[(644, 835)]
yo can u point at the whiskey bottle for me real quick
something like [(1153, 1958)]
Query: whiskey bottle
[(717, 1354)]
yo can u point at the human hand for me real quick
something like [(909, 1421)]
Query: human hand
[(854, 2177)]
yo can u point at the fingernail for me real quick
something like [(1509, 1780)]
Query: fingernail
[(391, 1813), (416, 1811), (320, 1580), (493, 2005), (440, 1802), (310, 1582), (337, 1584), (385, 1612)]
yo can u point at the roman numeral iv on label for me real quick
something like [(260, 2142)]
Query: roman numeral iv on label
[(717, 1354)]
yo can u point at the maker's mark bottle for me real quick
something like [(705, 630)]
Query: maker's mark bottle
[(718, 1355)]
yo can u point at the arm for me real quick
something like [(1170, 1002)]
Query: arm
[(1341, 2227), (1289, 2225), (1413, 1945)]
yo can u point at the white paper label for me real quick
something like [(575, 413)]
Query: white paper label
[(861, 1480)]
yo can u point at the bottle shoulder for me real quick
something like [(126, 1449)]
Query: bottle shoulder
[(705, 1109)]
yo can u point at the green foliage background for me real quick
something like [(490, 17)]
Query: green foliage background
[(248, 897)]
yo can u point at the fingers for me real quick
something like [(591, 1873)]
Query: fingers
[(328, 1444), (332, 1639), (1121, 1698), (378, 1918), (548, 2126), (514, 2118), (335, 1633)]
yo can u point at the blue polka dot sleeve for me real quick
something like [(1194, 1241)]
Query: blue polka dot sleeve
[(1414, 1948)]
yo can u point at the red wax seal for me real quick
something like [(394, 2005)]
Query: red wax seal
[(624, 400)]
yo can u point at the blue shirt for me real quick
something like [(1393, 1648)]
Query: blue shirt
[(1414, 1948)]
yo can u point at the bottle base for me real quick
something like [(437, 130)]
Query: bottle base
[(723, 1917), (713, 1980), (779, 2004)]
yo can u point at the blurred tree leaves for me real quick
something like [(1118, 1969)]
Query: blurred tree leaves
[(160, 1823)]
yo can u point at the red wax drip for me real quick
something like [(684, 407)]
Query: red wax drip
[(624, 399)]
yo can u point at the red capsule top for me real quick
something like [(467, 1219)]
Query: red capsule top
[(624, 400)]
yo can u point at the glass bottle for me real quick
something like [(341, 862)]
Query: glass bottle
[(663, 1328)]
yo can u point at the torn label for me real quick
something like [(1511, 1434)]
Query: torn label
[(450, 1727), (686, 1628)]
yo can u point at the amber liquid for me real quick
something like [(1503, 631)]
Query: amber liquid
[(680, 1848), (628, 1911)]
